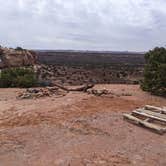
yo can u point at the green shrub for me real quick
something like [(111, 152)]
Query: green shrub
[(18, 77), (19, 49), (155, 72)]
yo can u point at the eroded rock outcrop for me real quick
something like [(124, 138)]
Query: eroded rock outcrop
[(16, 58)]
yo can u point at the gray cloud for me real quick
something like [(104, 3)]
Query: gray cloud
[(83, 24)]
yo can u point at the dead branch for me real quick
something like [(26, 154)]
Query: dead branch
[(83, 88), (61, 87)]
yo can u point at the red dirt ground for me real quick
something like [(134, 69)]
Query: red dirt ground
[(78, 130)]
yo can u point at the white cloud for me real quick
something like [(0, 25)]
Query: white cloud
[(83, 24)]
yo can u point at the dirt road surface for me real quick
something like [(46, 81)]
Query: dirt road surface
[(78, 130)]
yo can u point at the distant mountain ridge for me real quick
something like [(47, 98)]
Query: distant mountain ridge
[(72, 57), (91, 51)]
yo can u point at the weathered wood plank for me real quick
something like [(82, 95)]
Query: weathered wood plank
[(149, 115), (151, 126), (160, 115), (155, 109)]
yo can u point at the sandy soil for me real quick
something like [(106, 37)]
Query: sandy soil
[(78, 130)]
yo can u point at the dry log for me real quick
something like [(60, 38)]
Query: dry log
[(60, 86), (155, 109), (83, 88), (137, 121)]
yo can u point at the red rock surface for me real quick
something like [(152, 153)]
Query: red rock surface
[(78, 129), (16, 58)]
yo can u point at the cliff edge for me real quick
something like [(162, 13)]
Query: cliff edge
[(16, 57)]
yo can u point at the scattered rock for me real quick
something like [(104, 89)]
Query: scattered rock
[(33, 93), (126, 94), (99, 92)]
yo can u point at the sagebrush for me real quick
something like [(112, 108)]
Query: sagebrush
[(18, 77), (155, 72)]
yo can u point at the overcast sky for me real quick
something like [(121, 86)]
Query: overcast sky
[(134, 25)]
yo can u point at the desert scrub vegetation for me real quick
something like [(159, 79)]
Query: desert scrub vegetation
[(155, 72), (18, 77)]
